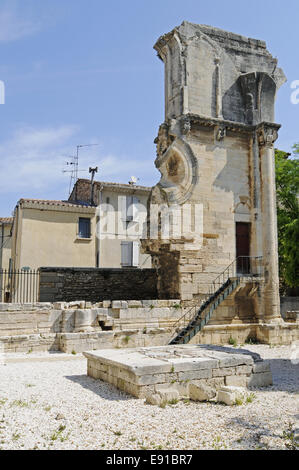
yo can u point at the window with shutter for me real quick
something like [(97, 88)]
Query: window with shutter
[(135, 254), (130, 254), (126, 254)]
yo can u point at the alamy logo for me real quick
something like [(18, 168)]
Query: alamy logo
[(295, 94), (2, 92), (129, 220)]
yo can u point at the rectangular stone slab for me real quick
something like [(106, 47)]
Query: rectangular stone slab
[(139, 371)]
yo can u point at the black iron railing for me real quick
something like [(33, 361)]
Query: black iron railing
[(243, 266), (19, 286)]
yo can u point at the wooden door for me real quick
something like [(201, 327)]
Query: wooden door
[(243, 247)]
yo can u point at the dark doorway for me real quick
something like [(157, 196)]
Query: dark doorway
[(243, 247)]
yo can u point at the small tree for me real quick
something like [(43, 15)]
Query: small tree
[(287, 188)]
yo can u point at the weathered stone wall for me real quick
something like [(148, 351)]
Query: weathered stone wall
[(94, 285)]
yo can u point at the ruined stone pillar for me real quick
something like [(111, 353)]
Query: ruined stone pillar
[(267, 136), (212, 152)]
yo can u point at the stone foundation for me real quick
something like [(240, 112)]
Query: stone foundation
[(274, 334), (79, 342), (148, 371), (79, 326), (29, 343)]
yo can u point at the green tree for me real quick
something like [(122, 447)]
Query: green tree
[(287, 188)]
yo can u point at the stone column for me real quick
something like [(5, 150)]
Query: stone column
[(267, 136), (256, 244)]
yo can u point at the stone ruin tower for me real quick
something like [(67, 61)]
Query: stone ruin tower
[(215, 150)]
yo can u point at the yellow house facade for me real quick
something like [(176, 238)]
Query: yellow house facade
[(5, 255), (5, 241), (46, 233), (78, 233)]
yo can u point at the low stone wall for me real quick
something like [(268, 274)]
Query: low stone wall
[(80, 342), (29, 319), (274, 334), (81, 316), (94, 285), (80, 326), (29, 343)]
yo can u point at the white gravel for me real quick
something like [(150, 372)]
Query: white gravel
[(54, 405)]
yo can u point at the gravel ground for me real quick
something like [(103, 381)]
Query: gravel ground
[(51, 404)]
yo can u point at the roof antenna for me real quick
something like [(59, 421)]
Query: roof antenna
[(75, 166), (93, 171)]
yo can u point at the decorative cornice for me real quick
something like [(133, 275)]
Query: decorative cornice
[(188, 121)]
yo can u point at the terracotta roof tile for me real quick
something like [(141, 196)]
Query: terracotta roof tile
[(116, 185), (6, 220), (50, 202)]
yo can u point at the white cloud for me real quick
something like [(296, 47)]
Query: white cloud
[(15, 24), (31, 139), (32, 160)]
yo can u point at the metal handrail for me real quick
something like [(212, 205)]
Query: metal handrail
[(183, 317), (240, 267), (230, 272)]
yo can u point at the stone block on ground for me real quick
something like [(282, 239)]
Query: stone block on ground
[(229, 395), (201, 392), (162, 397)]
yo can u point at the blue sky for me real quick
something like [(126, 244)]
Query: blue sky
[(84, 71)]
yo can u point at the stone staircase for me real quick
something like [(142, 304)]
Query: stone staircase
[(195, 319)]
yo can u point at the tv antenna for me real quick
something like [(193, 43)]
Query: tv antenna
[(74, 164)]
